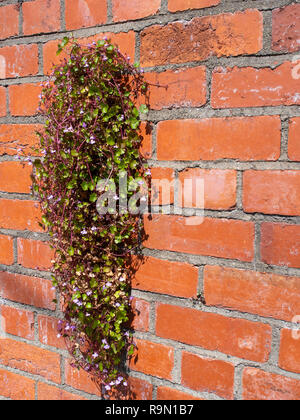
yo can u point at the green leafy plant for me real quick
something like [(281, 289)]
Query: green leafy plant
[(92, 134)]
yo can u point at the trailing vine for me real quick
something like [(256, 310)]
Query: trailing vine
[(90, 146)]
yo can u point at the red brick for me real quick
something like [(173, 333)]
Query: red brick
[(249, 87), (140, 389), (51, 393), (19, 215), (162, 185), (170, 394), (289, 356), (48, 332), (15, 136), (232, 336), (135, 10), (166, 277), (222, 238), (208, 375), (153, 359), (268, 295), (243, 138), (29, 290), (286, 28), (125, 42), (9, 18), (222, 35), (280, 244), (19, 61), (272, 192), (30, 359), (18, 322), (177, 88), (6, 250), (24, 99), (2, 101), (16, 387), (146, 146), (219, 188), (294, 143), (178, 5), (15, 177), (85, 13), (141, 309), (34, 254), (264, 386), (41, 16), (79, 379)]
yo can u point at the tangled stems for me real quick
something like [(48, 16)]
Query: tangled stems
[(91, 134)]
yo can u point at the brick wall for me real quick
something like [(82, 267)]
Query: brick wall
[(231, 116)]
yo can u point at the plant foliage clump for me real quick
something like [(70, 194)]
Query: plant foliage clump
[(91, 134)]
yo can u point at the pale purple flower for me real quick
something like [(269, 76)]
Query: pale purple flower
[(95, 355), (84, 232)]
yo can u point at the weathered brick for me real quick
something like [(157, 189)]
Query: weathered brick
[(170, 394), (268, 295), (16, 387), (250, 87), (289, 355), (18, 61), (79, 379), (146, 145), (34, 254), (222, 35), (177, 88), (52, 393), (6, 250), (141, 309), (9, 21), (140, 389), (243, 138), (41, 16), (264, 386), (219, 188), (29, 290), (24, 99), (214, 237), (232, 336), (280, 244), (166, 277), (272, 192), (20, 215), (178, 5), (15, 136), (153, 359), (15, 177), (208, 375), (124, 41), (286, 28), (48, 332), (30, 359), (18, 322), (294, 136), (85, 13), (135, 10), (2, 101), (162, 184)]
